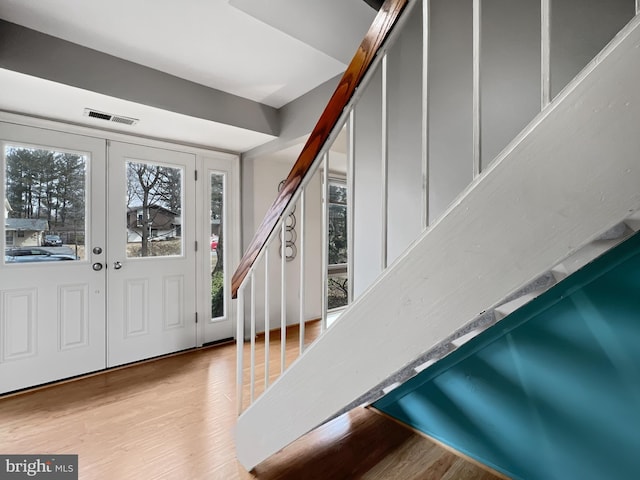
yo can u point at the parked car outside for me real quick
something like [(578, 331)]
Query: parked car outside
[(27, 255), (214, 242), (52, 241)]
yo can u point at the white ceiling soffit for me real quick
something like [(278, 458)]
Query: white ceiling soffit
[(208, 42), (335, 27), (44, 98)]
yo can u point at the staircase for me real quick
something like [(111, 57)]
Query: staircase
[(530, 211)]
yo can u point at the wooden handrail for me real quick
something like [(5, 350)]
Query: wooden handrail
[(380, 28)]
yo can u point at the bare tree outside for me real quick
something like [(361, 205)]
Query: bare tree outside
[(154, 209)]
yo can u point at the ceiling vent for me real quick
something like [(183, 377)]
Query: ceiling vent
[(110, 117)]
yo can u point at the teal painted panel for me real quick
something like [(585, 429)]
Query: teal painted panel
[(553, 391)]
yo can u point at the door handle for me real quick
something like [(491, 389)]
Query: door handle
[(117, 265), (97, 266)]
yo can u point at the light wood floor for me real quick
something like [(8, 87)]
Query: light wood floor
[(173, 418)]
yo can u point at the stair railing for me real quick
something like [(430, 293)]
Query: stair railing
[(276, 419), (274, 226), (314, 155)]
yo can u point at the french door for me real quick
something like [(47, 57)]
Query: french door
[(52, 297), (114, 253), (151, 261)]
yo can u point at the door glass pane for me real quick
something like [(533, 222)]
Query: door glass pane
[(217, 245), (44, 205), (154, 210)]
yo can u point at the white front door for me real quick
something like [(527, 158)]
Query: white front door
[(101, 264), (52, 280), (151, 267)]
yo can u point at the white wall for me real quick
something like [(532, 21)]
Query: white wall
[(509, 72), (450, 102), (405, 127), (510, 76), (510, 97), (510, 58), (404, 150), (367, 191), (261, 176), (579, 30)]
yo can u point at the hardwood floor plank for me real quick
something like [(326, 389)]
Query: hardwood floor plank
[(412, 461), (345, 448), (173, 418)]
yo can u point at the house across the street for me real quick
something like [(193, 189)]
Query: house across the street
[(163, 223), (24, 232)]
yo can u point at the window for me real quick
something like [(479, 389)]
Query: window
[(338, 285), (216, 214), (46, 190), (154, 196)]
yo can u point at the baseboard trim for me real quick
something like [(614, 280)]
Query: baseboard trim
[(294, 326), (82, 376)]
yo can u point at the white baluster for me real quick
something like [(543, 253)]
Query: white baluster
[(283, 299), (240, 348), (302, 271), (351, 130), (545, 52), (385, 166), (425, 112), (325, 243), (266, 319), (253, 337), (477, 5)]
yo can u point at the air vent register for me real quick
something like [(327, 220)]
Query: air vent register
[(110, 117)]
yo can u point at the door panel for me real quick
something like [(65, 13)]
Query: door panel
[(151, 244), (51, 299)]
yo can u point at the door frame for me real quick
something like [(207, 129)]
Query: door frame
[(204, 157)]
